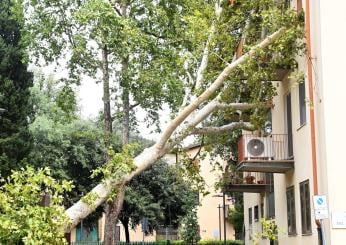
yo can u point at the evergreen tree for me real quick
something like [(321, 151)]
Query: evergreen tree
[(15, 81)]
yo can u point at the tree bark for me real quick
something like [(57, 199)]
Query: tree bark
[(112, 210), (114, 207), (106, 97), (224, 128), (126, 103)]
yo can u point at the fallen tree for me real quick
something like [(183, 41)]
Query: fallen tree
[(174, 133)]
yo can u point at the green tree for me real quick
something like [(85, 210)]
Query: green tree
[(161, 195), (15, 82), (189, 230), (23, 217), (236, 216), (70, 146)]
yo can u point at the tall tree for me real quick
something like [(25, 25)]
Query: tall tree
[(116, 48), (15, 81)]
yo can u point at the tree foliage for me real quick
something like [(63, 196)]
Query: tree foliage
[(23, 218), (148, 36), (189, 230), (15, 82), (70, 146)]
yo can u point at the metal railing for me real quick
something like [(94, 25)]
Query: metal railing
[(250, 178), (272, 147)]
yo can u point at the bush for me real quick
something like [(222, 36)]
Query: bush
[(24, 218)]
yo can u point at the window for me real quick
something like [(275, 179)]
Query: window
[(270, 198), (305, 207), (289, 125), (291, 211), (256, 215), (250, 216), (302, 103)]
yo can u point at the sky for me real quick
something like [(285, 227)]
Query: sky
[(90, 103)]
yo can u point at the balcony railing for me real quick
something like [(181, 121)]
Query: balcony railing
[(252, 182), (265, 154)]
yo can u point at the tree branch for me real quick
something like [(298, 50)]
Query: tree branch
[(223, 129), (214, 87), (113, 4)]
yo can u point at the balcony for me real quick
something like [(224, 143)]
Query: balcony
[(252, 182), (270, 154)]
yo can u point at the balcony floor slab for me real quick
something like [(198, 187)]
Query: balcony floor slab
[(248, 188), (266, 166)]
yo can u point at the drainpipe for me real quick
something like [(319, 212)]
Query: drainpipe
[(312, 112), (311, 97)]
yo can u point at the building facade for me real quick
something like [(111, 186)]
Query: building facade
[(302, 156)]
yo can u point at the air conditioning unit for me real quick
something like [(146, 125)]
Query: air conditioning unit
[(258, 148)]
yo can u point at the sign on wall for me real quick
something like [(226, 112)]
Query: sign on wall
[(339, 220), (321, 207)]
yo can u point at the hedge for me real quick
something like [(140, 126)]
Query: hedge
[(203, 242)]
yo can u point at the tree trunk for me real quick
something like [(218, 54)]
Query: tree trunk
[(125, 223), (111, 208), (126, 103), (114, 207), (106, 97), (112, 212)]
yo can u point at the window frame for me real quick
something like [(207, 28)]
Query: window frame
[(291, 211), (305, 207), (250, 216)]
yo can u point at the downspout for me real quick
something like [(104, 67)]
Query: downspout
[(311, 97), (312, 112)]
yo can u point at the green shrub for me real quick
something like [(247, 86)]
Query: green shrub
[(23, 217), (218, 242)]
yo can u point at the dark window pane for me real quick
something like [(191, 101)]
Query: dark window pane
[(256, 216), (250, 215), (305, 207), (289, 125), (291, 212), (302, 103)]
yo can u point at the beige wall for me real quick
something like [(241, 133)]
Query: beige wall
[(331, 85), (208, 212)]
